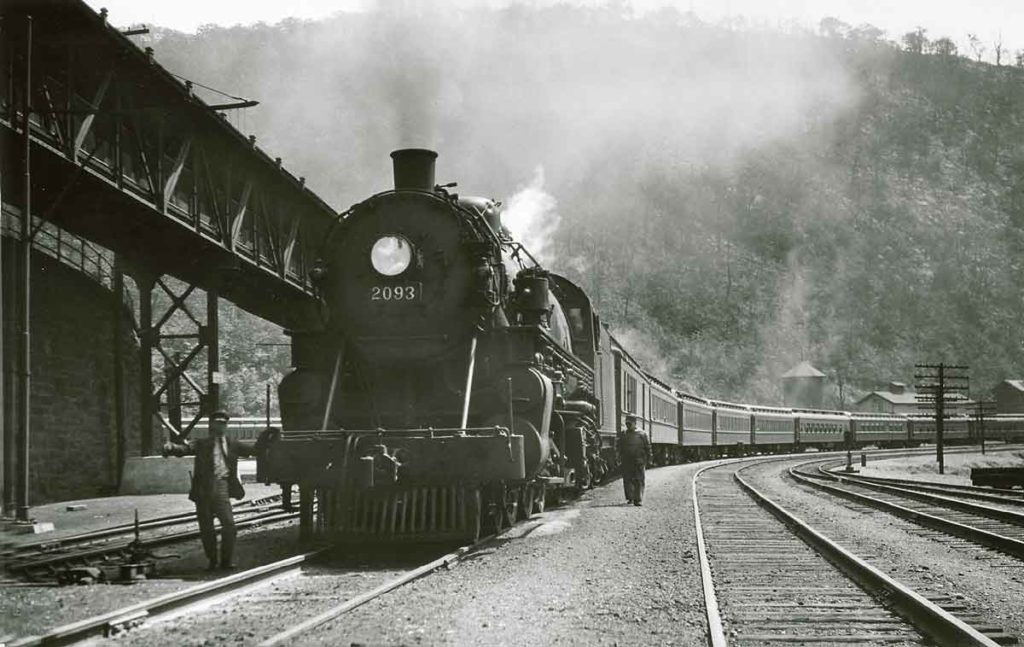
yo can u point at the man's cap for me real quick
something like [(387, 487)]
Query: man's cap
[(220, 415), (630, 416)]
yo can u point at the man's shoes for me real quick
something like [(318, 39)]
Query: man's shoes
[(212, 565), (227, 566), (628, 501), (637, 504)]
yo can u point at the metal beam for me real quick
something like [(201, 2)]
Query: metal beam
[(179, 164), (239, 217), (146, 337), (6, 383), (25, 294), (289, 247), (120, 428), (212, 334), (83, 130)]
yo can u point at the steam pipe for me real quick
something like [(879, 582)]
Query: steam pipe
[(469, 382), (330, 394), (511, 411)]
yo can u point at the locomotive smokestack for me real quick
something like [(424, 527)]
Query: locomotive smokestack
[(414, 169)]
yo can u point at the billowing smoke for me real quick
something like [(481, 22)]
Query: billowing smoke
[(635, 132), (531, 216), (644, 349)]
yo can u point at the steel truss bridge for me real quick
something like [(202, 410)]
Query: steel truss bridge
[(100, 141)]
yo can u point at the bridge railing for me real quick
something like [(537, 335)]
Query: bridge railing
[(89, 259)]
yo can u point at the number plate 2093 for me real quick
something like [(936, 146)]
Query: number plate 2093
[(406, 292)]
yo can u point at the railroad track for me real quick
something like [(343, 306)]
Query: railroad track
[(994, 495), (798, 586), (40, 560), (986, 524), (263, 596)]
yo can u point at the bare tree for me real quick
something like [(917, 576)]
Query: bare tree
[(999, 51), (915, 41), (1020, 58), (976, 46)]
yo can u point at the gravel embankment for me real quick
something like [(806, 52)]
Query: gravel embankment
[(596, 572), (985, 581), (957, 465)]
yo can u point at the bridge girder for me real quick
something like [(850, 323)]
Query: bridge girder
[(125, 155)]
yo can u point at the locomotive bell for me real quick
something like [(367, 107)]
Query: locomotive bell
[(414, 169)]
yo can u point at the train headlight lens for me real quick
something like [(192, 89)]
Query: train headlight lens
[(391, 255)]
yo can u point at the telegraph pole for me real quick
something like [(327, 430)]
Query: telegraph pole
[(983, 408), (941, 381)]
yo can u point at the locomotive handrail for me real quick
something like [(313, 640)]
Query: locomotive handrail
[(303, 434)]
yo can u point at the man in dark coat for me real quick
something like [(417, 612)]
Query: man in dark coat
[(634, 454), (214, 483)]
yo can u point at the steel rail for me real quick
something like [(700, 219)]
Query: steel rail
[(144, 524), (716, 632), (995, 495), (999, 542), (450, 559), (941, 626), (101, 551), (925, 497), (107, 624)]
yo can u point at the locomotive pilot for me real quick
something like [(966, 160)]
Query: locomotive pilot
[(634, 454), (214, 483)]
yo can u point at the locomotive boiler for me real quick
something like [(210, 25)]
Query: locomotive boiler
[(451, 386)]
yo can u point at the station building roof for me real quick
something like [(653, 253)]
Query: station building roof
[(803, 369)]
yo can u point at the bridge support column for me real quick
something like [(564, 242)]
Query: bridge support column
[(25, 294), (7, 274), (146, 338), (211, 337), (119, 381), (172, 326)]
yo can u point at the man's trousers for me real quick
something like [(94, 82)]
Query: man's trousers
[(213, 501), (634, 480)]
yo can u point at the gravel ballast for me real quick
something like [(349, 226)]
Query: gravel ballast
[(596, 572), (29, 609), (593, 572), (986, 582)]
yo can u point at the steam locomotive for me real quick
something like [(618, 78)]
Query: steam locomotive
[(455, 385)]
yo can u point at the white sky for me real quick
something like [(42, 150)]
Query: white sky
[(989, 20)]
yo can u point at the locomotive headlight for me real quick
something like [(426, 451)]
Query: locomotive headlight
[(391, 255)]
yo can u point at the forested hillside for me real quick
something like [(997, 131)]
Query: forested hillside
[(735, 201)]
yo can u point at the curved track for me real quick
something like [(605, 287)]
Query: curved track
[(769, 577), (987, 524), (995, 495)]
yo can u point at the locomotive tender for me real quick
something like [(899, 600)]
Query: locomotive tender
[(455, 384)]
